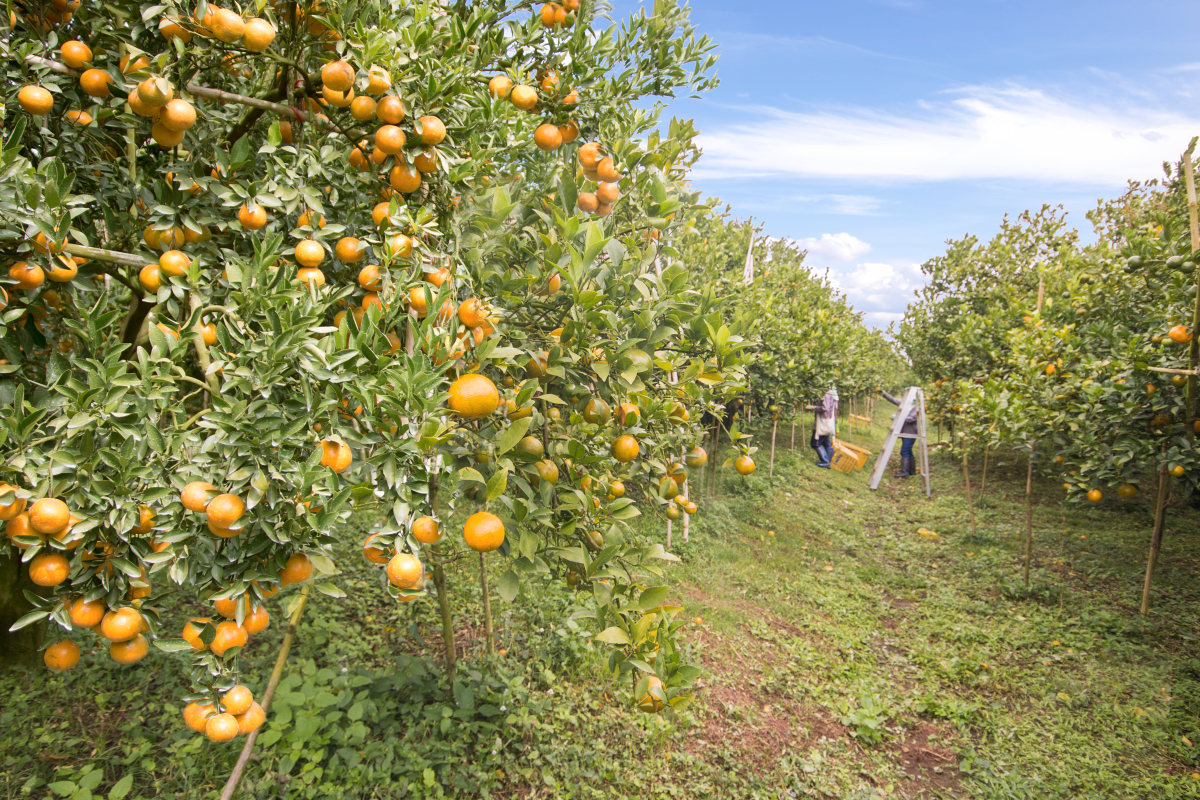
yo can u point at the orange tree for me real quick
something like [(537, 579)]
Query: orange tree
[(266, 272), (1087, 346)]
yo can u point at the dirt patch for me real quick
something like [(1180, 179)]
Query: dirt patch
[(928, 764)]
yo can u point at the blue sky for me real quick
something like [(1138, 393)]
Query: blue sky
[(874, 130)]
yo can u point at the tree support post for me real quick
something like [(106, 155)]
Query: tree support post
[(1160, 514), (487, 605), (1029, 514)]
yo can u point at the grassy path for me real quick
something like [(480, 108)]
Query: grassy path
[(851, 656)]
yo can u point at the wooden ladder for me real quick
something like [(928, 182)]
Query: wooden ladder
[(913, 397)]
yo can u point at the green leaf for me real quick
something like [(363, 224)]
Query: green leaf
[(613, 635), (497, 484), (29, 619), (468, 474), (508, 586), (121, 787), (172, 645), (512, 434), (652, 597), (331, 590)]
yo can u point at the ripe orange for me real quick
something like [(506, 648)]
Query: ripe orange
[(405, 178), (225, 509), (1178, 471), (389, 139), (337, 75), (697, 457), (547, 137), (174, 263), (252, 216), (588, 203), (426, 161), (1095, 495), (28, 276), (373, 552), (171, 29), (251, 719), (129, 652), (221, 728), (335, 455), (75, 54), (80, 118), (195, 715), (568, 132), (13, 507), (121, 625), (49, 515), (1180, 334), (258, 35), (400, 245), (378, 81), (349, 250), (191, 632), (229, 635), (96, 82), (627, 415), (474, 396), (307, 219), (49, 569), (208, 333), (369, 278), (390, 110), (61, 655), (86, 614), (426, 530), (228, 26), (523, 97), (195, 496), (309, 253), (744, 465), (256, 621), (625, 448), (178, 115), (500, 86), (471, 313), (298, 569), (607, 171), (648, 702), (483, 532), (237, 700), (404, 571), (589, 156), (608, 193), (164, 137), (433, 130), (362, 108)]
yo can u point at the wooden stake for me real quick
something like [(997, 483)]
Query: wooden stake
[(1029, 515), (1194, 348), (983, 480), (236, 776), (774, 428), (1160, 514)]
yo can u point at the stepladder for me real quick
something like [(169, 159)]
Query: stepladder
[(914, 397)]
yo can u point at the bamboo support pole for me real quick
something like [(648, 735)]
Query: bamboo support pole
[(487, 605), (235, 777), (967, 478), (1160, 514), (1029, 515), (774, 428)]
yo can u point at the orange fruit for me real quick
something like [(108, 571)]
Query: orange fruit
[(547, 471), (28, 276), (426, 161), (1180, 334), (129, 652), (483, 532), (164, 137), (228, 26), (178, 115), (1095, 495), (13, 507), (75, 54), (744, 465), (229, 635), (237, 700), (374, 553), (49, 569), (405, 178), (627, 414), (251, 719), (121, 625), (1127, 491), (568, 132), (471, 313), (191, 632), (309, 253), (49, 515), (19, 526), (349, 250), (608, 193), (625, 448), (195, 496), (390, 110), (400, 245), (607, 171), (195, 715), (589, 156), (426, 530), (96, 82), (648, 702), (523, 97), (389, 139), (337, 75), (499, 86), (171, 29), (298, 569), (369, 279), (307, 219), (362, 108), (252, 216), (225, 509), (208, 333), (174, 263), (1178, 471), (473, 396), (335, 455), (256, 621), (433, 130), (221, 728), (378, 81), (85, 613), (61, 655), (696, 457), (404, 571), (547, 137), (587, 203), (80, 118), (62, 270), (258, 35)]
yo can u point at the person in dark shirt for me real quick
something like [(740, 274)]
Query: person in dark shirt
[(908, 464)]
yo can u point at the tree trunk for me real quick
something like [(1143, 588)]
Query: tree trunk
[(1160, 515), (18, 648), (983, 480), (439, 581)]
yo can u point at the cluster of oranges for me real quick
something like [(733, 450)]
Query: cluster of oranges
[(559, 15), (601, 170), (47, 518), (548, 136), (236, 714), (122, 627)]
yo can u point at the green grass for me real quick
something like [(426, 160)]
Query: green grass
[(846, 656)]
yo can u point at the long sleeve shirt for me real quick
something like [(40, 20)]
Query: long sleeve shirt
[(910, 422)]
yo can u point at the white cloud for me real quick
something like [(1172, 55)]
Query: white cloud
[(880, 290), (834, 246), (984, 132)]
